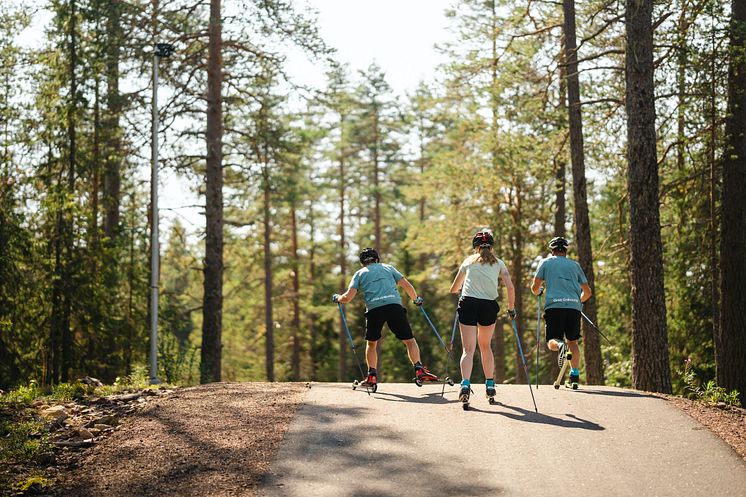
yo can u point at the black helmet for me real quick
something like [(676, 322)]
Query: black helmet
[(559, 243), (369, 254), (483, 237)]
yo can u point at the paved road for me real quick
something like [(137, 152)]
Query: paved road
[(408, 441)]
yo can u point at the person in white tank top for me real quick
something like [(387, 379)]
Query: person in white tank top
[(477, 281)]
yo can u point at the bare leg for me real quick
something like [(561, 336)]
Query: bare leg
[(575, 349), (413, 351), (371, 355), (484, 338), (469, 344)]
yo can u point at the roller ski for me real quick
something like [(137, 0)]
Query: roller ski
[(491, 392), (369, 383), (423, 375), (563, 361), (573, 381), (463, 396)]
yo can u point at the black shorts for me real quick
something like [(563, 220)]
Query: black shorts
[(395, 315), (473, 311), (562, 324)]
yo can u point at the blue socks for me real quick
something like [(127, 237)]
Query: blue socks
[(575, 372), (465, 383), (490, 382)]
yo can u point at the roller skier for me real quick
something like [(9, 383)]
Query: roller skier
[(566, 289), (477, 280), (378, 282)]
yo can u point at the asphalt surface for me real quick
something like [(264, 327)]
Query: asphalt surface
[(410, 441)]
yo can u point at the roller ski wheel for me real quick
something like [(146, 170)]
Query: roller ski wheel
[(573, 382), (450, 381), (371, 385), (463, 397), (491, 392), (423, 375)]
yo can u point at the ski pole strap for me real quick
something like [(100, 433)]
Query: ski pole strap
[(433, 327)]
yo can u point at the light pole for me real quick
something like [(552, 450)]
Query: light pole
[(161, 50)]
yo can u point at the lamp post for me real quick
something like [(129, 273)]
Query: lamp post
[(161, 50)]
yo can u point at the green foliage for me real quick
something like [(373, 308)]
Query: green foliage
[(34, 483), (22, 440), (710, 392)]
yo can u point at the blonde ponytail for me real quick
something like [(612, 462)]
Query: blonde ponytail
[(485, 255)]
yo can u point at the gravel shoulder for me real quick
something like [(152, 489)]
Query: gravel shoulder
[(215, 440), (727, 422)]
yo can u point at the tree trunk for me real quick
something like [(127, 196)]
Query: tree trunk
[(342, 369), (312, 285), (376, 184), (517, 274), (67, 336), (729, 357), (210, 367), (269, 336), (295, 361), (112, 178), (713, 189), (650, 367), (593, 364)]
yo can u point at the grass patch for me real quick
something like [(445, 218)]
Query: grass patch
[(33, 483)]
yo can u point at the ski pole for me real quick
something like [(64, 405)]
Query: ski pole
[(538, 336), (352, 344), (525, 368), (594, 326), (450, 351), (432, 326)]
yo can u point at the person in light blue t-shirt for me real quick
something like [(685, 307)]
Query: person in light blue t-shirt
[(379, 285), (566, 290)]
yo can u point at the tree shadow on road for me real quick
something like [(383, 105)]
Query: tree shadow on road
[(615, 393), (351, 455), (428, 398), (528, 416)]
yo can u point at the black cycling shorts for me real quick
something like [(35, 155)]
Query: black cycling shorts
[(562, 324), (473, 311), (395, 315)]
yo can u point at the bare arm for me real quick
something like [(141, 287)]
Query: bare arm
[(585, 292), (347, 296), (536, 286), (407, 286), (505, 275), (458, 282)]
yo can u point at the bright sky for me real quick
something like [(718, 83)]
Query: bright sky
[(399, 35)]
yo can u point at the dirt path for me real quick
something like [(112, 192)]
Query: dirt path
[(213, 440)]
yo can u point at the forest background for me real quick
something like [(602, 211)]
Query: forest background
[(295, 180)]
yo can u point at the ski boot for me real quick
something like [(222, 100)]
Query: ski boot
[(490, 384), (563, 360), (370, 382), (423, 375), (562, 354), (463, 395), (574, 379)]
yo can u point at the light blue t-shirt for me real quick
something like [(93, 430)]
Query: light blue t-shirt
[(378, 283), (562, 278)]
